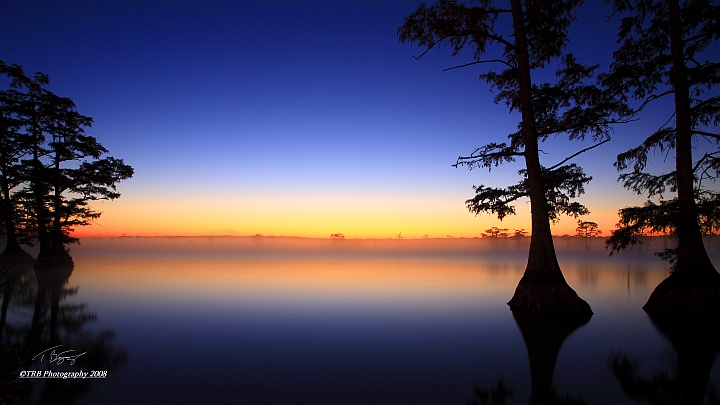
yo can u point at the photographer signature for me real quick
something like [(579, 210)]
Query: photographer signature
[(58, 358)]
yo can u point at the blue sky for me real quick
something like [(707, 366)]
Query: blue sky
[(293, 118)]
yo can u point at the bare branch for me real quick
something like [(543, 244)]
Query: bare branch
[(708, 134), (477, 62), (429, 48), (577, 153), (652, 98)]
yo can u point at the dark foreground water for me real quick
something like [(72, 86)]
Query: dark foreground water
[(300, 321)]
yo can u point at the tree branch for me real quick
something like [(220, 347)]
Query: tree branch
[(702, 104), (705, 157), (578, 153), (498, 154), (652, 98), (708, 134), (696, 37), (430, 47), (479, 62)]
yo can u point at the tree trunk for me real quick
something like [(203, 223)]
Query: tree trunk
[(542, 287), (694, 284), (52, 247), (13, 251)]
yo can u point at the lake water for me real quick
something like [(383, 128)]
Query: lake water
[(265, 320)]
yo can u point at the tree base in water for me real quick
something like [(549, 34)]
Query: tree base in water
[(53, 259), (15, 255), (549, 296), (686, 294)]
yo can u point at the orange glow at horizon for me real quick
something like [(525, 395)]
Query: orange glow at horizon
[(307, 216)]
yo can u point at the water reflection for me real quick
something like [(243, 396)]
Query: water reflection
[(696, 342), (326, 322), (497, 395), (45, 319), (544, 334), (12, 270)]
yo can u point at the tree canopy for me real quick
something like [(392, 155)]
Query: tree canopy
[(587, 229), (50, 169)]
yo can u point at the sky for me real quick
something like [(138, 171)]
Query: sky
[(295, 118)]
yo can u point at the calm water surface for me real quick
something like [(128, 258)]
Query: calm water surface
[(299, 321)]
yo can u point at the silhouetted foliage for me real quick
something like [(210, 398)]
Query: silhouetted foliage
[(495, 232), (587, 229), (519, 233), (51, 170), (662, 52), (14, 145), (571, 106)]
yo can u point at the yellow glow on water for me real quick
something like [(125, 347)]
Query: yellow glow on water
[(298, 270), (298, 279)]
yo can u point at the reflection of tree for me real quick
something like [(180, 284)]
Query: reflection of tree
[(493, 396), (12, 278), (11, 270), (696, 341), (544, 334), (55, 321), (566, 237)]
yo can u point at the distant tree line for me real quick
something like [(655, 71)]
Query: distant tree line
[(50, 170)]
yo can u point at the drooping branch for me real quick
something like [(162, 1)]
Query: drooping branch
[(496, 200), (561, 186), (663, 139), (703, 159), (490, 155), (637, 221), (646, 183)]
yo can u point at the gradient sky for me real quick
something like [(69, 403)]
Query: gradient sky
[(289, 117)]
